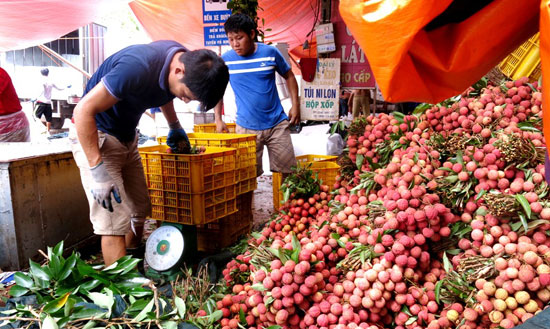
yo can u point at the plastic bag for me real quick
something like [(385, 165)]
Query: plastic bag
[(14, 128), (335, 144)]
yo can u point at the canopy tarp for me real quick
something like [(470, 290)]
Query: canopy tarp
[(287, 20), (26, 23)]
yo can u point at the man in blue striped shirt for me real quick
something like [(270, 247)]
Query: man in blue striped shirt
[(252, 68)]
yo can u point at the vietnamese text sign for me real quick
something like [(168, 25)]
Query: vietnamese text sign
[(355, 70), (215, 36), (215, 11), (319, 98)]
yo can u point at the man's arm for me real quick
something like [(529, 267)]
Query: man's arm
[(220, 125), (96, 101), (294, 113), (169, 113)]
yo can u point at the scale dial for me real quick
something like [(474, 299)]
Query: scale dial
[(164, 248)]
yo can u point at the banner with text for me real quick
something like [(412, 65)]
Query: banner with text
[(319, 98), (355, 70)]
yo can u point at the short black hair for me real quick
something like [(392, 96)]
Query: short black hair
[(45, 72), (206, 76), (238, 23)]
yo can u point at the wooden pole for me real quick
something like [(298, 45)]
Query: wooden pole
[(56, 55)]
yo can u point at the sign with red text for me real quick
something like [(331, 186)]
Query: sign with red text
[(355, 71), (319, 98)]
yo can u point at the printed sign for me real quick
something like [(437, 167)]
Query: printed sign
[(215, 36), (319, 98), (355, 70), (215, 11)]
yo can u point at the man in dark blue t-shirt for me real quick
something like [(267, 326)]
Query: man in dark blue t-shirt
[(105, 141)]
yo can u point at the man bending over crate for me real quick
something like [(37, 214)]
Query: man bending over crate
[(105, 143), (252, 68)]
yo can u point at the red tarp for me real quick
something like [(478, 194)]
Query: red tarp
[(289, 20), (26, 23)]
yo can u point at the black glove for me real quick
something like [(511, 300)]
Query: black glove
[(177, 139)]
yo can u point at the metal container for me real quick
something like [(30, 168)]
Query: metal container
[(41, 202)]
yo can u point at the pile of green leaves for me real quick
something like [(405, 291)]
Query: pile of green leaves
[(70, 293), (302, 183)]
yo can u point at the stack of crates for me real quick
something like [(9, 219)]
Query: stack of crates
[(190, 189), (224, 231), (324, 165), (524, 61)]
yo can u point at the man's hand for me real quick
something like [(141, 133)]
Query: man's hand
[(102, 187), (178, 141), (221, 127), (294, 114)]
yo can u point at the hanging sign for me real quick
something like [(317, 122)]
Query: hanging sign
[(215, 11), (319, 98)]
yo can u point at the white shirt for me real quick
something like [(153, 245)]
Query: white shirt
[(46, 95)]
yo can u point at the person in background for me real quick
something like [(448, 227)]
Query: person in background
[(344, 108), (104, 137), (44, 100), (359, 101), (152, 112), (14, 126), (252, 68)]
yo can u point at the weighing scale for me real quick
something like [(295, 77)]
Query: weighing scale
[(168, 247)]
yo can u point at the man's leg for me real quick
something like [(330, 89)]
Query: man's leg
[(356, 105), (113, 247), (280, 149)]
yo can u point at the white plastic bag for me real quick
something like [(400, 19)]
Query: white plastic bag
[(335, 144)]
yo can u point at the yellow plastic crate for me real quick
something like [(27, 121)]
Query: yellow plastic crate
[(191, 173), (316, 158), (193, 208), (226, 231), (245, 173), (211, 128), (245, 186), (326, 171), (244, 143), (524, 61)]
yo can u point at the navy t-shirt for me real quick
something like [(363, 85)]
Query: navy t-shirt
[(138, 77)]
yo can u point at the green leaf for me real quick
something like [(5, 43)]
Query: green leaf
[(49, 323), (523, 221), (102, 300), (23, 280), (169, 324), (180, 305), (69, 305), (215, 316), (359, 161), (56, 304), (58, 249), (454, 252), (405, 310), (437, 290), (516, 226), (37, 271), (480, 194), (143, 314), (242, 317), (524, 204), (411, 320), (90, 325), (400, 117), (258, 287), (295, 243), (17, 291), (420, 109), (67, 268), (273, 327), (55, 266), (447, 266)]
